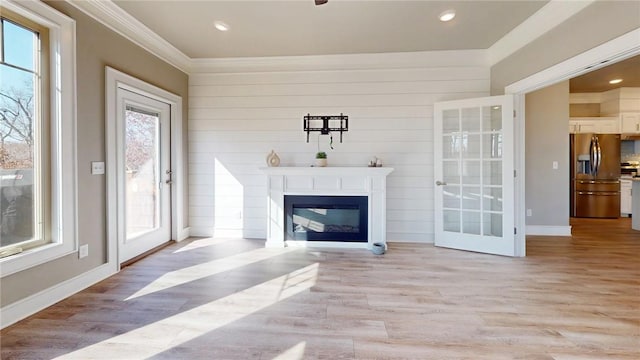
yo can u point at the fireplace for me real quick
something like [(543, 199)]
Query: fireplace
[(326, 218), (341, 207)]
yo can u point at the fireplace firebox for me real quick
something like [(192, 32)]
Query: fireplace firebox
[(326, 218)]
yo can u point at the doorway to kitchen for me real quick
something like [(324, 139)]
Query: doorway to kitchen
[(547, 155)]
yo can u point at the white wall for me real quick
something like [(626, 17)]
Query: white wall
[(237, 116)]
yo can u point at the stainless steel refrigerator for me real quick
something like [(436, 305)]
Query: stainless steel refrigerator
[(595, 175)]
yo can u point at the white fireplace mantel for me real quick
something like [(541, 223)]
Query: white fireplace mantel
[(326, 181)]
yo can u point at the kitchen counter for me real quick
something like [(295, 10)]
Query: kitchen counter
[(635, 206)]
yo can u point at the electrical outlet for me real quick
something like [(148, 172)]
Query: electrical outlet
[(83, 251), (97, 167), (529, 212)]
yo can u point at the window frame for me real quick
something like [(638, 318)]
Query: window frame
[(41, 162), (61, 148)]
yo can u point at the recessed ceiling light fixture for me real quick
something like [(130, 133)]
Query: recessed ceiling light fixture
[(221, 25), (615, 81), (447, 15)]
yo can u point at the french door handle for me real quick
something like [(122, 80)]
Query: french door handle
[(440, 183)]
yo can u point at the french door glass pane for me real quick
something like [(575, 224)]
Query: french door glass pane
[(450, 121), (451, 220), (142, 134), (451, 197)]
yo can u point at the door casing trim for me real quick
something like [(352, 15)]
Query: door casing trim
[(116, 79)]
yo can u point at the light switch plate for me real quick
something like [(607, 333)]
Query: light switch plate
[(83, 251), (555, 165), (97, 167)]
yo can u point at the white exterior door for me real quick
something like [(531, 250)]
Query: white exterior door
[(474, 175), (144, 175)]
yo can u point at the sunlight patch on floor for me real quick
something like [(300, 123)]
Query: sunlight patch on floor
[(200, 271), (200, 243), (162, 335), (294, 353)]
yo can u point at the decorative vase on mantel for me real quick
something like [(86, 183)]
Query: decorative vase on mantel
[(273, 160), (321, 159)]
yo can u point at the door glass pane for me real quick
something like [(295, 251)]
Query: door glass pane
[(471, 222), (451, 220), (471, 146), (492, 224), (142, 174), (492, 118), (492, 199), (471, 198), (471, 172), (451, 172), (492, 146), (451, 145), (450, 121), (451, 197), (470, 120), (492, 173)]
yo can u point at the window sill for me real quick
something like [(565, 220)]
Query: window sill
[(33, 257)]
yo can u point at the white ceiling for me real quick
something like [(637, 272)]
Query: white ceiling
[(261, 28)]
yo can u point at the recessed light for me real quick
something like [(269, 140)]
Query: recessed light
[(496, 107), (615, 81), (220, 25), (447, 15)]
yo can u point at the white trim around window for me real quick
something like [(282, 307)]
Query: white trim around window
[(62, 77)]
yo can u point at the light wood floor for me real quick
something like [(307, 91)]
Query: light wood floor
[(571, 298)]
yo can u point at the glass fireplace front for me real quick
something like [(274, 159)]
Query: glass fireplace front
[(326, 218)]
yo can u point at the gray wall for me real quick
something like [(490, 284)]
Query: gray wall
[(593, 26), (547, 140), (97, 46)]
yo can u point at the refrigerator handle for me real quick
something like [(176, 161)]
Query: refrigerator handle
[(592, 156), (599, 152)]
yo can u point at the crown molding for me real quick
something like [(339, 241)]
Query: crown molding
[(399, 60), (548, 17), (118, 20)]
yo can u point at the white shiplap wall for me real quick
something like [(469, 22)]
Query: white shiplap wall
[(237, 116)]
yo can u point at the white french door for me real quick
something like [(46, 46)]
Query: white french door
[(474, 177), (144, 175)]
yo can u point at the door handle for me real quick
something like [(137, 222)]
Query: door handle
[(440, 183)]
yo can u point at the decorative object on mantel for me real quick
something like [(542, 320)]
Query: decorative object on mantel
[(273, 159), (321, 159), (375, 162), (377, 248), (325, 124)]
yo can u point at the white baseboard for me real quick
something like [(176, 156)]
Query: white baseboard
[(549, 230), (183, 234), (21, 309)]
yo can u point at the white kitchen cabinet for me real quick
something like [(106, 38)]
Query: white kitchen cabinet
[(625, 197), (598, 125), (630, 123)]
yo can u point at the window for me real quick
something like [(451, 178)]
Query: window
[(37, 135), (23, 134)]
